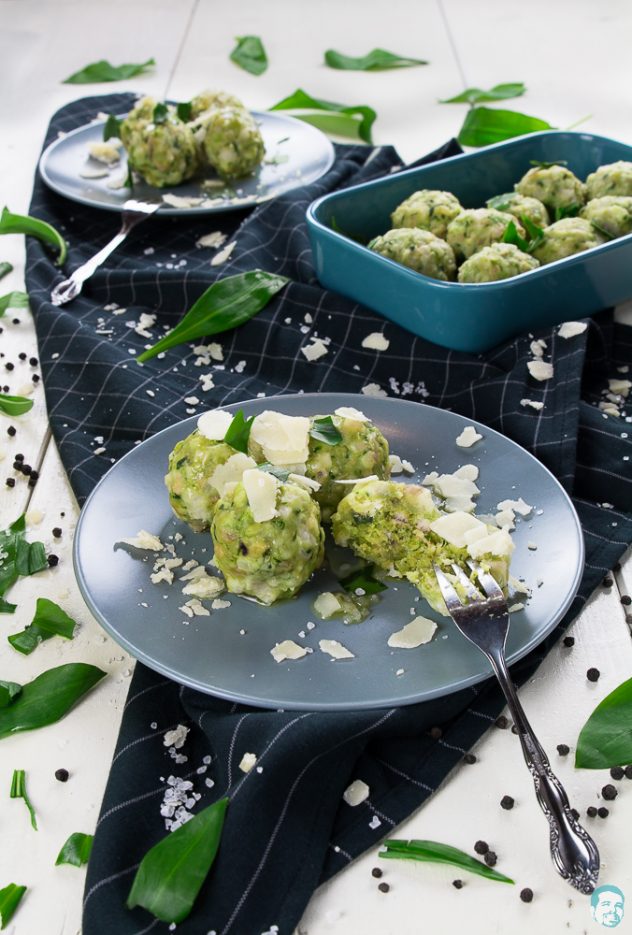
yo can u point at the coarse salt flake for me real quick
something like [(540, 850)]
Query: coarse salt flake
[(374, 390), (176, 737), (247, 762)]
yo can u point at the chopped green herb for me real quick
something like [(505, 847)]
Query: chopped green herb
[(485, 125), (10, 898), (605, 739), (280, 473), (238, 432), (102, 70), (111, 128), (24, 224), (8, 692), (15, 405), (501, 202), (183, 110), (172, 872), (567, 211), (540, 164), (49, 620), (76, 850), (226, 304), (18, 791), (354, 121), (500, 92), (250, 54), (48, 697), (18, 558), (5, 268), (161, 113), (365, 579), (13, 300), (283, 139), (433, 852), (511, 235), (536, 235), (375, 60), (324, 430), (603, 231)]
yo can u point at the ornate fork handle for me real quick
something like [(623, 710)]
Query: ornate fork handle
[(574, 852)]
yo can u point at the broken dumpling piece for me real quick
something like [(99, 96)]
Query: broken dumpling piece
[(267, 536)]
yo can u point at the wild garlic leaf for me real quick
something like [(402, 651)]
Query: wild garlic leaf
[(541, 164), (605, 739), (102, 70), (238, 432), (13, 300), (603, 231), (112, 128), (250, 54), (9, 691), (48, 697), (500, 92), (18, 558), (183, 110), (511, 235), (354, 121), (76, 850), (10, 897), (24, 224), (566, 211), (280, 473), (5, 268), (365, 579), (324, 430), (375, 60), (226, 304), (434, 852), (172, 872), (49, 620), (485, 125), (15, 405), (18, 791), (161, 113)]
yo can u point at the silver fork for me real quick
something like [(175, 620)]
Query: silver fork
[(133, 212), (485, 622)]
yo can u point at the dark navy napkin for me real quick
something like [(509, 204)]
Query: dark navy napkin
[(287, 828)]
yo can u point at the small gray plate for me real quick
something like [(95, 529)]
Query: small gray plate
[(296, 154), (212, 653)]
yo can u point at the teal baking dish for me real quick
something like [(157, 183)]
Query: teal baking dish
[(469, 316)]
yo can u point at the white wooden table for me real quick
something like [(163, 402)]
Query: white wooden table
[(574, 58)]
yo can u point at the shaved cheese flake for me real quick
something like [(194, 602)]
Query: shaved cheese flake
[(261, 489), (144, 540), (453, 526), (327, 605), (374, 390), (396, 464), (570, 329), (107, 153), (247, 762), (357, 480), (214, 424), (288, 649), (231, 472), (215, 240), (283, 439), (335, 649), (540, 370), (533, 403), (376, 341), (475, 533), (204, 587), (496, 543), (348, 412), (467, 472), (303, 481), (356, 793), (94, 172), (224, 254), (315, 350), (518, 506), (505, 519), (620, 387), (468, 437), (414, 634), (537, 348), (181, 201)]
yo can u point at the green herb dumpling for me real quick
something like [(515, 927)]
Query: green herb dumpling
[(612, 213), (565, 238), (429, 210), (419, 250), (521, 206), (476, 228), (232, 142), (613, 179), (555, 186), (498, 261), (163, 153)]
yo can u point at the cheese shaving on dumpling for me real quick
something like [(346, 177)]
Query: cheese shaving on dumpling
[(261, 489), (283, 439), (214, 424)]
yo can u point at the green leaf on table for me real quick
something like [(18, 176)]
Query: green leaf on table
[(18, 791), (10, 897), (48, 697), (226, 304), (605, 740), (5, 268), (172, 872), (112, 128), (500, 92), (161, 113), (49, 620), (238, 432), (24, 224), (250, 54), (13, 300), (324, 430), (281, 473), (354, 121), (18, 558), (365, 579), (76, 850), (485, 125), (183, 110), (15, 405), (375, 60), (542, 164), (566, 211), (102, 70), (9, 691), (433, 852)]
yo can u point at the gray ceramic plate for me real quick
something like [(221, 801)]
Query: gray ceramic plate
[(296, 154), (214, 656)]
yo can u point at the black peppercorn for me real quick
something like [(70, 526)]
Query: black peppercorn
[(481, 847), (563, 749), (33, 361), (10, 482), (57, 532), (11, 430), (376, 872), (591, 811), (62, 775), (502, 722), (383, 887), (607, 582), (491, 858), (603, 812), (9, 366), (22, 356), (457, 884), (593, 675), (507, 802), (626, 600), (569, 641), (617, 772), (628, 772), (609, 792), (526, 895), (469, 758), (53, 560)]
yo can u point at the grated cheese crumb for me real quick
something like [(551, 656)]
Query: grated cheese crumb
[(540, 370), (315, 350), (374, 390), (144, 540), (570, 329), (468, 437), (376, 341), (335, 649), (288, 649), (247, 762), (356, 793)]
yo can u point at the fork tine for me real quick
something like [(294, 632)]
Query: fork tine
[(472, 592), (451, 598), (488, 583)]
